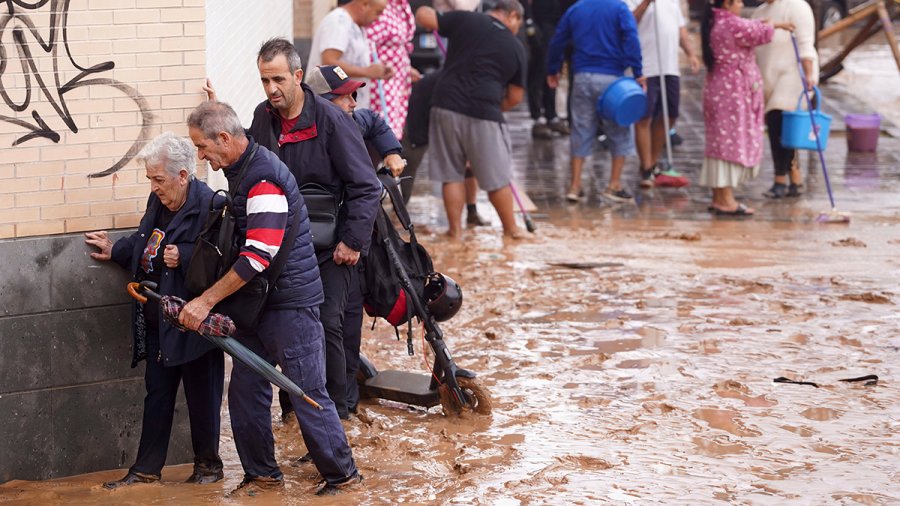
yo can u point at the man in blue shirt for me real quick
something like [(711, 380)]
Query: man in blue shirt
[(605, 43)]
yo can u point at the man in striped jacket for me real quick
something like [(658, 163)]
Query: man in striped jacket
[(266, 201)]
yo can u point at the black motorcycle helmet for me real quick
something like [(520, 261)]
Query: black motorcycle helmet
[(443, 296)]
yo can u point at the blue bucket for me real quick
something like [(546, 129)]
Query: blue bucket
[(623, 101), (796, 127)]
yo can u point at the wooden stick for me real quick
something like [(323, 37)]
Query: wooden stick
[(867, 9), (863, 35), (889, 31)]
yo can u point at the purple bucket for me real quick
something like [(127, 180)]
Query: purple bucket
[(862, 131)]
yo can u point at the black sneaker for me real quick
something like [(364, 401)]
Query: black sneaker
[(472, 220), (647, 178), (305, 459), (794, 190), (619, 195), (777, 191), (559, 126), (333, 489), (130, 479), (250, 487), (541, 131)]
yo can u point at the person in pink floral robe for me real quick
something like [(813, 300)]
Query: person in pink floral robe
[(732, 102), (391, 37)]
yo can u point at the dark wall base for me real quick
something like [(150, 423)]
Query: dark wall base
[(71, 403)]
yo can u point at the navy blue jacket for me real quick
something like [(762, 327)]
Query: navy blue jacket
[(377, 132), (299, 284), (175, 346), (325, 147), (604, 39)]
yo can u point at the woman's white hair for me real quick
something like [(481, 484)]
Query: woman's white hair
[(173, 152)]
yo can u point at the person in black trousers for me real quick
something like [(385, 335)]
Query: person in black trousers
[(159, 252)]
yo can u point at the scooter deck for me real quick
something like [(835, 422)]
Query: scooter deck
[(401, 386)]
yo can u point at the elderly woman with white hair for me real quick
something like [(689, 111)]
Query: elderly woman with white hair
[(159, 251)]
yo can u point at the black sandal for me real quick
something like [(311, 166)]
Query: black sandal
[(741, 210)]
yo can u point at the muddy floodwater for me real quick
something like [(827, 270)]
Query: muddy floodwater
[(643, 375), (631, 352)]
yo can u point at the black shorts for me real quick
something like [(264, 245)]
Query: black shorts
[(654, 99)]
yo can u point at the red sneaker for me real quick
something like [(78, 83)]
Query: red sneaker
[(672, 179)]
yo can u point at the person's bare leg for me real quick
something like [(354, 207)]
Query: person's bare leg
[(642, 140), (615, 172), (454, 201), (718, 200), (727, 202), (658, 137), (502, 200), (575, 184)]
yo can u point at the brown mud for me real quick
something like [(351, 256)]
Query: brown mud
[(645, 379)]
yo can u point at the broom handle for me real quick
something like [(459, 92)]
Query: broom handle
[(812, 118), (662, 86)]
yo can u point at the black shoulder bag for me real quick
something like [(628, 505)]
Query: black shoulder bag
[(217, 248), (323, 208)]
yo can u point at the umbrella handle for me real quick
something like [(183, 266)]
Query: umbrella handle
[(133, 291), (141, 291)]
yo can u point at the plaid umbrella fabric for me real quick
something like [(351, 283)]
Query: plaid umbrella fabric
[(215, 325)]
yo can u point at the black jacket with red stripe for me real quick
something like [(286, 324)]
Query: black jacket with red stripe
[(325, 147)]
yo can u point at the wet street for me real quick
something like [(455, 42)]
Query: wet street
[(630, 350)]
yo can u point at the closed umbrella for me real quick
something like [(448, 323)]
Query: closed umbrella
[(217, 328)]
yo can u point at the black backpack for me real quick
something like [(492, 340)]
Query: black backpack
[(383, 292)]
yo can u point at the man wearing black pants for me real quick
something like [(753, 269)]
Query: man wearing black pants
[(541, 17), (320, 144)]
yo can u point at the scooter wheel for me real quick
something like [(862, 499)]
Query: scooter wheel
[(478, 397)]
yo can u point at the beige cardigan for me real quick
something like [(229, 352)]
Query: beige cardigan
[(781, 79)]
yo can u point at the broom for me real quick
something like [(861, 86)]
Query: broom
[(833, 216)]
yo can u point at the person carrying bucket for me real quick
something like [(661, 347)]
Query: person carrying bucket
[(732, 102), (604, 41), (782, 84)]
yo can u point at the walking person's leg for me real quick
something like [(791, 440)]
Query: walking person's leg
[(584, 130), (490, 152), (296, 338), (249, 405), (447, 162), (336, 285), (353, 320), (782, 158), (161, 384)]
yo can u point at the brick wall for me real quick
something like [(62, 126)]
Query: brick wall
[(70, 124), (116, 73)]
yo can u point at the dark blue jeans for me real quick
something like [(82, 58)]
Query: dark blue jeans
[(293, 339), (203, 380)]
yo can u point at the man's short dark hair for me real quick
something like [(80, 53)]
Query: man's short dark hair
[(214, 117), (279, 46), (508, 6)]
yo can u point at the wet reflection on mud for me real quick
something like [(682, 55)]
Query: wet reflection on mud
[(649, 381)]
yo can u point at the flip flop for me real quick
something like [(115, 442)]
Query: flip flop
[(741, 210)]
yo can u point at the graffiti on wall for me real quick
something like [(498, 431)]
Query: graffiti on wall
[(28, 44)]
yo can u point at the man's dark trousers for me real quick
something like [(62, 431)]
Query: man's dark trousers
[(292, 338), (204, 380), (541, 97), (336, 285), (353, 320)]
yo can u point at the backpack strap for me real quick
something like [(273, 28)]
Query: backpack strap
[(253, 150), (390, 185)]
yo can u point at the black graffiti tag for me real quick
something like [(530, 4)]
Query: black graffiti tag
[(17, 16)]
